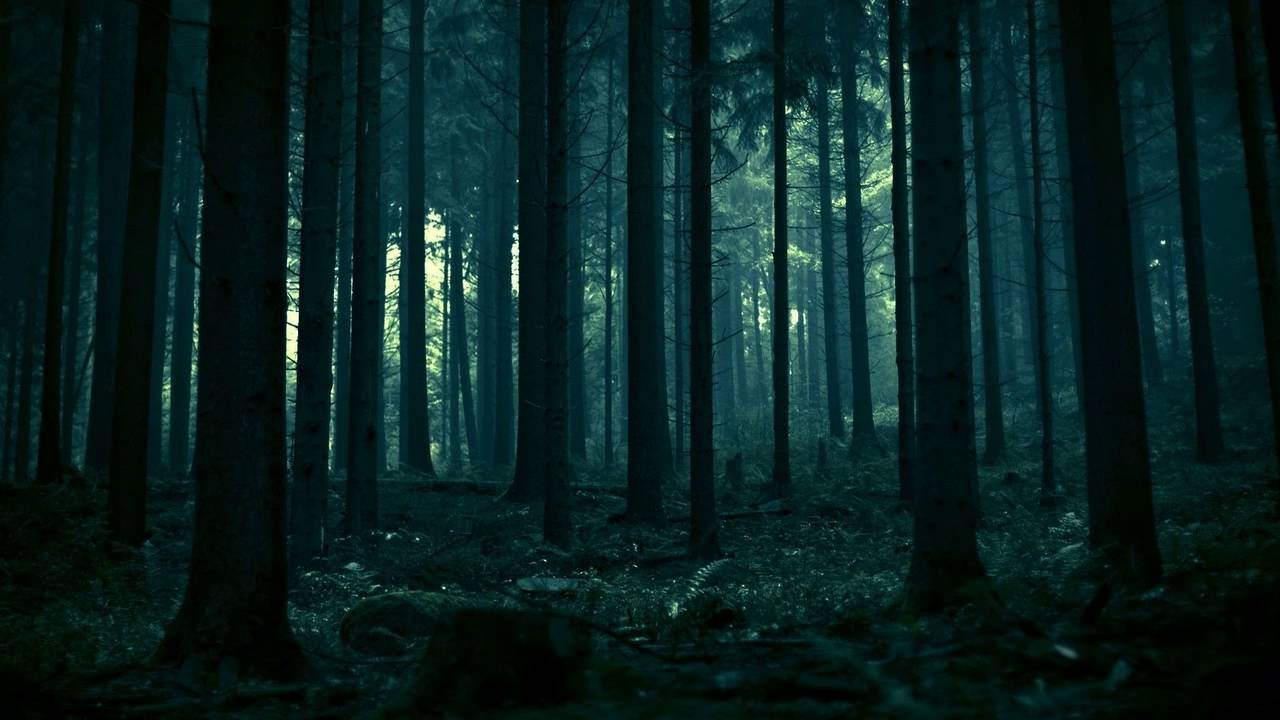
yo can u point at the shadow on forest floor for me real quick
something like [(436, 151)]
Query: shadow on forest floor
[(800, 620)]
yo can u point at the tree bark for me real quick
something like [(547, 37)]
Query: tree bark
[(504, 412), (1048, 484), (830, 317), (904, 278), (1121, 519), (608, 273), (945, 551), (368, 258), (1209, 444), (1022, 183), (130, 419), (576, 285), (346, 236), (780, 317), (180, 365), (233, 618), (71, 331)]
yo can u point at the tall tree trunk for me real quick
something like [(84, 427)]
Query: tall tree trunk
[(233, 618), (49, 455), (71, 332), (1153, 370), (992, 390), (1209, 444), (904, 278), (556, 526), (1022, 183), (679, 281), (1121, 520), (130, 420), (346, 236), (415, 439), (368, 262), (180, 365), (704, 541), (458, 326), (1048, 485), (528, 479), (648, 440), (608, 273), (577, 287), (114, 138), (830, 317), (945, 551), (780, 316), (1255, 165), (323, 164), (504, 422), (1067, 229), (164, 251)]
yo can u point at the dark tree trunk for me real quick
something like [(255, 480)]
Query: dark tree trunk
[(576, 286), (504, 412), (992, 390), (780, 315), (164, 250), (233, 617), (608, 274), (458, 327), (1153, 370), (415, 438), (180, 365), (114, 138), (679, 290), (49, 454), (1121, 520), (648, 440), (71, 331), (26, 371), (556, 526), (1255, 165), (1209, 444), (704, 540), (1022, 183), (945, 553), (346, 236), (10, 395), (1048, 485), (835, 415), (904, 278), (130, 419), (1063, 160), (368, 262), (323, 163), (528, 480)]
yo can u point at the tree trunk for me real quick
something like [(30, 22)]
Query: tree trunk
[(114, 138), (233, 618), (323, 163), (164, 251), (822, 101), (679, 282), (576, 286), (458, 326), (945, 552), (368, 258), (992, 390), (504, 412), (608, 274), (1022, 183), (49, 454), (704, 541), (780, 317), (22, 439), (556, 525), (71, 332), (10, 395), (1121, 520), (1048, 485), (346, 237), (130, 420), (528, 479), (180, 366), (648, 440), (415, 439), (1255, 165), (1209, 444), (904, 278), (1153, 370), (1063, 160)]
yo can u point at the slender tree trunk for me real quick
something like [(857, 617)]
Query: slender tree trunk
[(1063, 160), (49, 455), (71, 333), (1209, 444), (368, 258), (180, 366), (1022, 183), (114, 138), (1048, 485), (835, 414), (577, 287), (1121, 519), (648, 440), (233, 619), (458, 328), (945, 550), (415, 440), (1153, 370), (556, 525), (992, 389), (528, 479), (679, 280), (164, 248), (346, 236), (608, 272), (704, 541), (780, 317), (323, 159), (130, 420), (504, 423)]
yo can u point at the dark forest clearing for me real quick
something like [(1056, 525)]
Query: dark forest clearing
[(639, 358)]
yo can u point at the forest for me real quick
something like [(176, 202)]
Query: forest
[(639, 358)]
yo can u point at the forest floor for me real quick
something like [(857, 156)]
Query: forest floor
[(801, 619)]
